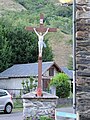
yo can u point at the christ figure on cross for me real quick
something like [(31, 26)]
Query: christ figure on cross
[(41, 43), (40, 32)]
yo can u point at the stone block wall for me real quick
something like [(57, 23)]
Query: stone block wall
[(34, 107), (83, 58)]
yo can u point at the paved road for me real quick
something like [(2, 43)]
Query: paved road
[(12, 116), (19, 115), (67, 110)]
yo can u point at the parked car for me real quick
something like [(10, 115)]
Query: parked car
[(6, 103)]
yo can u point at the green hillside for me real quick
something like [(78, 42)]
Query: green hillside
[(10, 5), (27, 13)]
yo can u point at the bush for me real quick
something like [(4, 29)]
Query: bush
[(45, 118), (61, 82)]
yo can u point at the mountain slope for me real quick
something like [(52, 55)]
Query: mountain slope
[(10, 5), (59, 40), (62, 50)]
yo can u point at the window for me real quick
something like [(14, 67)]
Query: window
[(3, 94), (51, 72)]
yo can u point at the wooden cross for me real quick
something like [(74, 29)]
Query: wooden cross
[(40, 29)]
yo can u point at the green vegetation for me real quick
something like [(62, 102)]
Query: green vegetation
[(70, 63), (61, 81), (41, 118), (28, 85), (45, 118), (55, 15), (18, 103), (20, 46)]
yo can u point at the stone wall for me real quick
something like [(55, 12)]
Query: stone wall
[(83, 58), (34, 107)]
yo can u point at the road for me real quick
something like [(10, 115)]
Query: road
[(12, 116), (67, 110), (19, 115)]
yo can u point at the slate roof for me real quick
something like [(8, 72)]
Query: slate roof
[(67, 71), (31, 69), (25, 70)]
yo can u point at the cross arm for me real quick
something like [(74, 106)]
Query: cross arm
[(41, 29), (29, 28), (52, 30)]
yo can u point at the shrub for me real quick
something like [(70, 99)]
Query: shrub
[(29, 85), (61, 82), (45, 118)]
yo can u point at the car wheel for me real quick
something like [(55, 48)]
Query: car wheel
[(8, 108)]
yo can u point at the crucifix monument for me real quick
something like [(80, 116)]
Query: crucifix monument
[(40, 32)]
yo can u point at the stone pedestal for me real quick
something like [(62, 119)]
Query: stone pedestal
[(34, 107)]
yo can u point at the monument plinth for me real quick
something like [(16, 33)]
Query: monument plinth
[(34, 107)]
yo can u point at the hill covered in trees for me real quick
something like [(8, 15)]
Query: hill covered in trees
[(28, 14)]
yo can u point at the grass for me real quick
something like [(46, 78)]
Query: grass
[(18, 105), (17, 109)]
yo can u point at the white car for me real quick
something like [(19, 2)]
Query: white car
[(6, 103)]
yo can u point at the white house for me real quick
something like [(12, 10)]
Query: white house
[(11, 79)]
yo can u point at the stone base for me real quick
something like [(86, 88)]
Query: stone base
[(34, 107)]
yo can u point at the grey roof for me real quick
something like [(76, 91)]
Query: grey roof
[(25, 70), (68, 72), (31, 69)]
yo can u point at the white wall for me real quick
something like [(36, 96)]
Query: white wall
[(13, 83), (47, 72)]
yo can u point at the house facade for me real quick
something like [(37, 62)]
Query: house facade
[(12, 78)]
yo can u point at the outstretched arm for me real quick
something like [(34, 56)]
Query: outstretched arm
[(35, 31), (46, 32)]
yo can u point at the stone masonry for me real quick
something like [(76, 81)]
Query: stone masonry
[(34, 107), (83, 58)]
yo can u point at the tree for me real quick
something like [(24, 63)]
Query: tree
[(19, 46), (60, 81), (5, 54), (5, 48), (22, 45)]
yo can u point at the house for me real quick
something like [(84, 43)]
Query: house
[(12, 78), (68, 72)]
